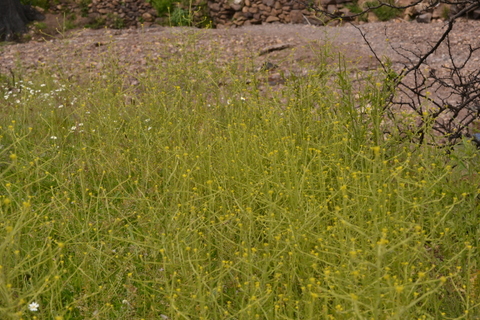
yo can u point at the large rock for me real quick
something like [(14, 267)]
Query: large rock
[(272, 19), (214, 6), (236, 7), (424, 18), (269, 3), (296, 17), (474, 14), (147, 17), (325, 3)]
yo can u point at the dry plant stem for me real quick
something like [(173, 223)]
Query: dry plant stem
[(187, 194), (451, 21), (452, 116)]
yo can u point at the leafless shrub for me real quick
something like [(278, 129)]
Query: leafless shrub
[(444, 101)]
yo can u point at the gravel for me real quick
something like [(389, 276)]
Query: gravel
[(86, 50)]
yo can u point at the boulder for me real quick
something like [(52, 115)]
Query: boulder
[(325, 3), (271, 19), (214, 6), (269, 3), (147, 17), (296, 17), (424, 18)]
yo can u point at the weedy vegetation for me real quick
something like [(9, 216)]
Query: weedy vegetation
[(383, 13), (203, 193), (45, 4), (180, 13)]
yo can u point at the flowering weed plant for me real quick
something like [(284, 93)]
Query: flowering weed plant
[(191, 196)]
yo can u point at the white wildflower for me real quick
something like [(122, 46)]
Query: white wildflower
[(33, 306)]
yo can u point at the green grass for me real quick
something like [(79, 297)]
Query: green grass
[(383, 13), (40, 25), (180, 17), (162, 6), (38, 3), (195, 195), (355, 8)]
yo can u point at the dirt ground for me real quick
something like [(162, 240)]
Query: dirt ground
[(290, 47)]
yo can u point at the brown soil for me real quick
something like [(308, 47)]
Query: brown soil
[(81, 50)]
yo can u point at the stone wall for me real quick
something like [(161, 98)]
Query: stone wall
[(231, 13), (247, 12), (127, 12)]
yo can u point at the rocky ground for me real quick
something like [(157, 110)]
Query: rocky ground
[(288, 46), (283, 49)]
